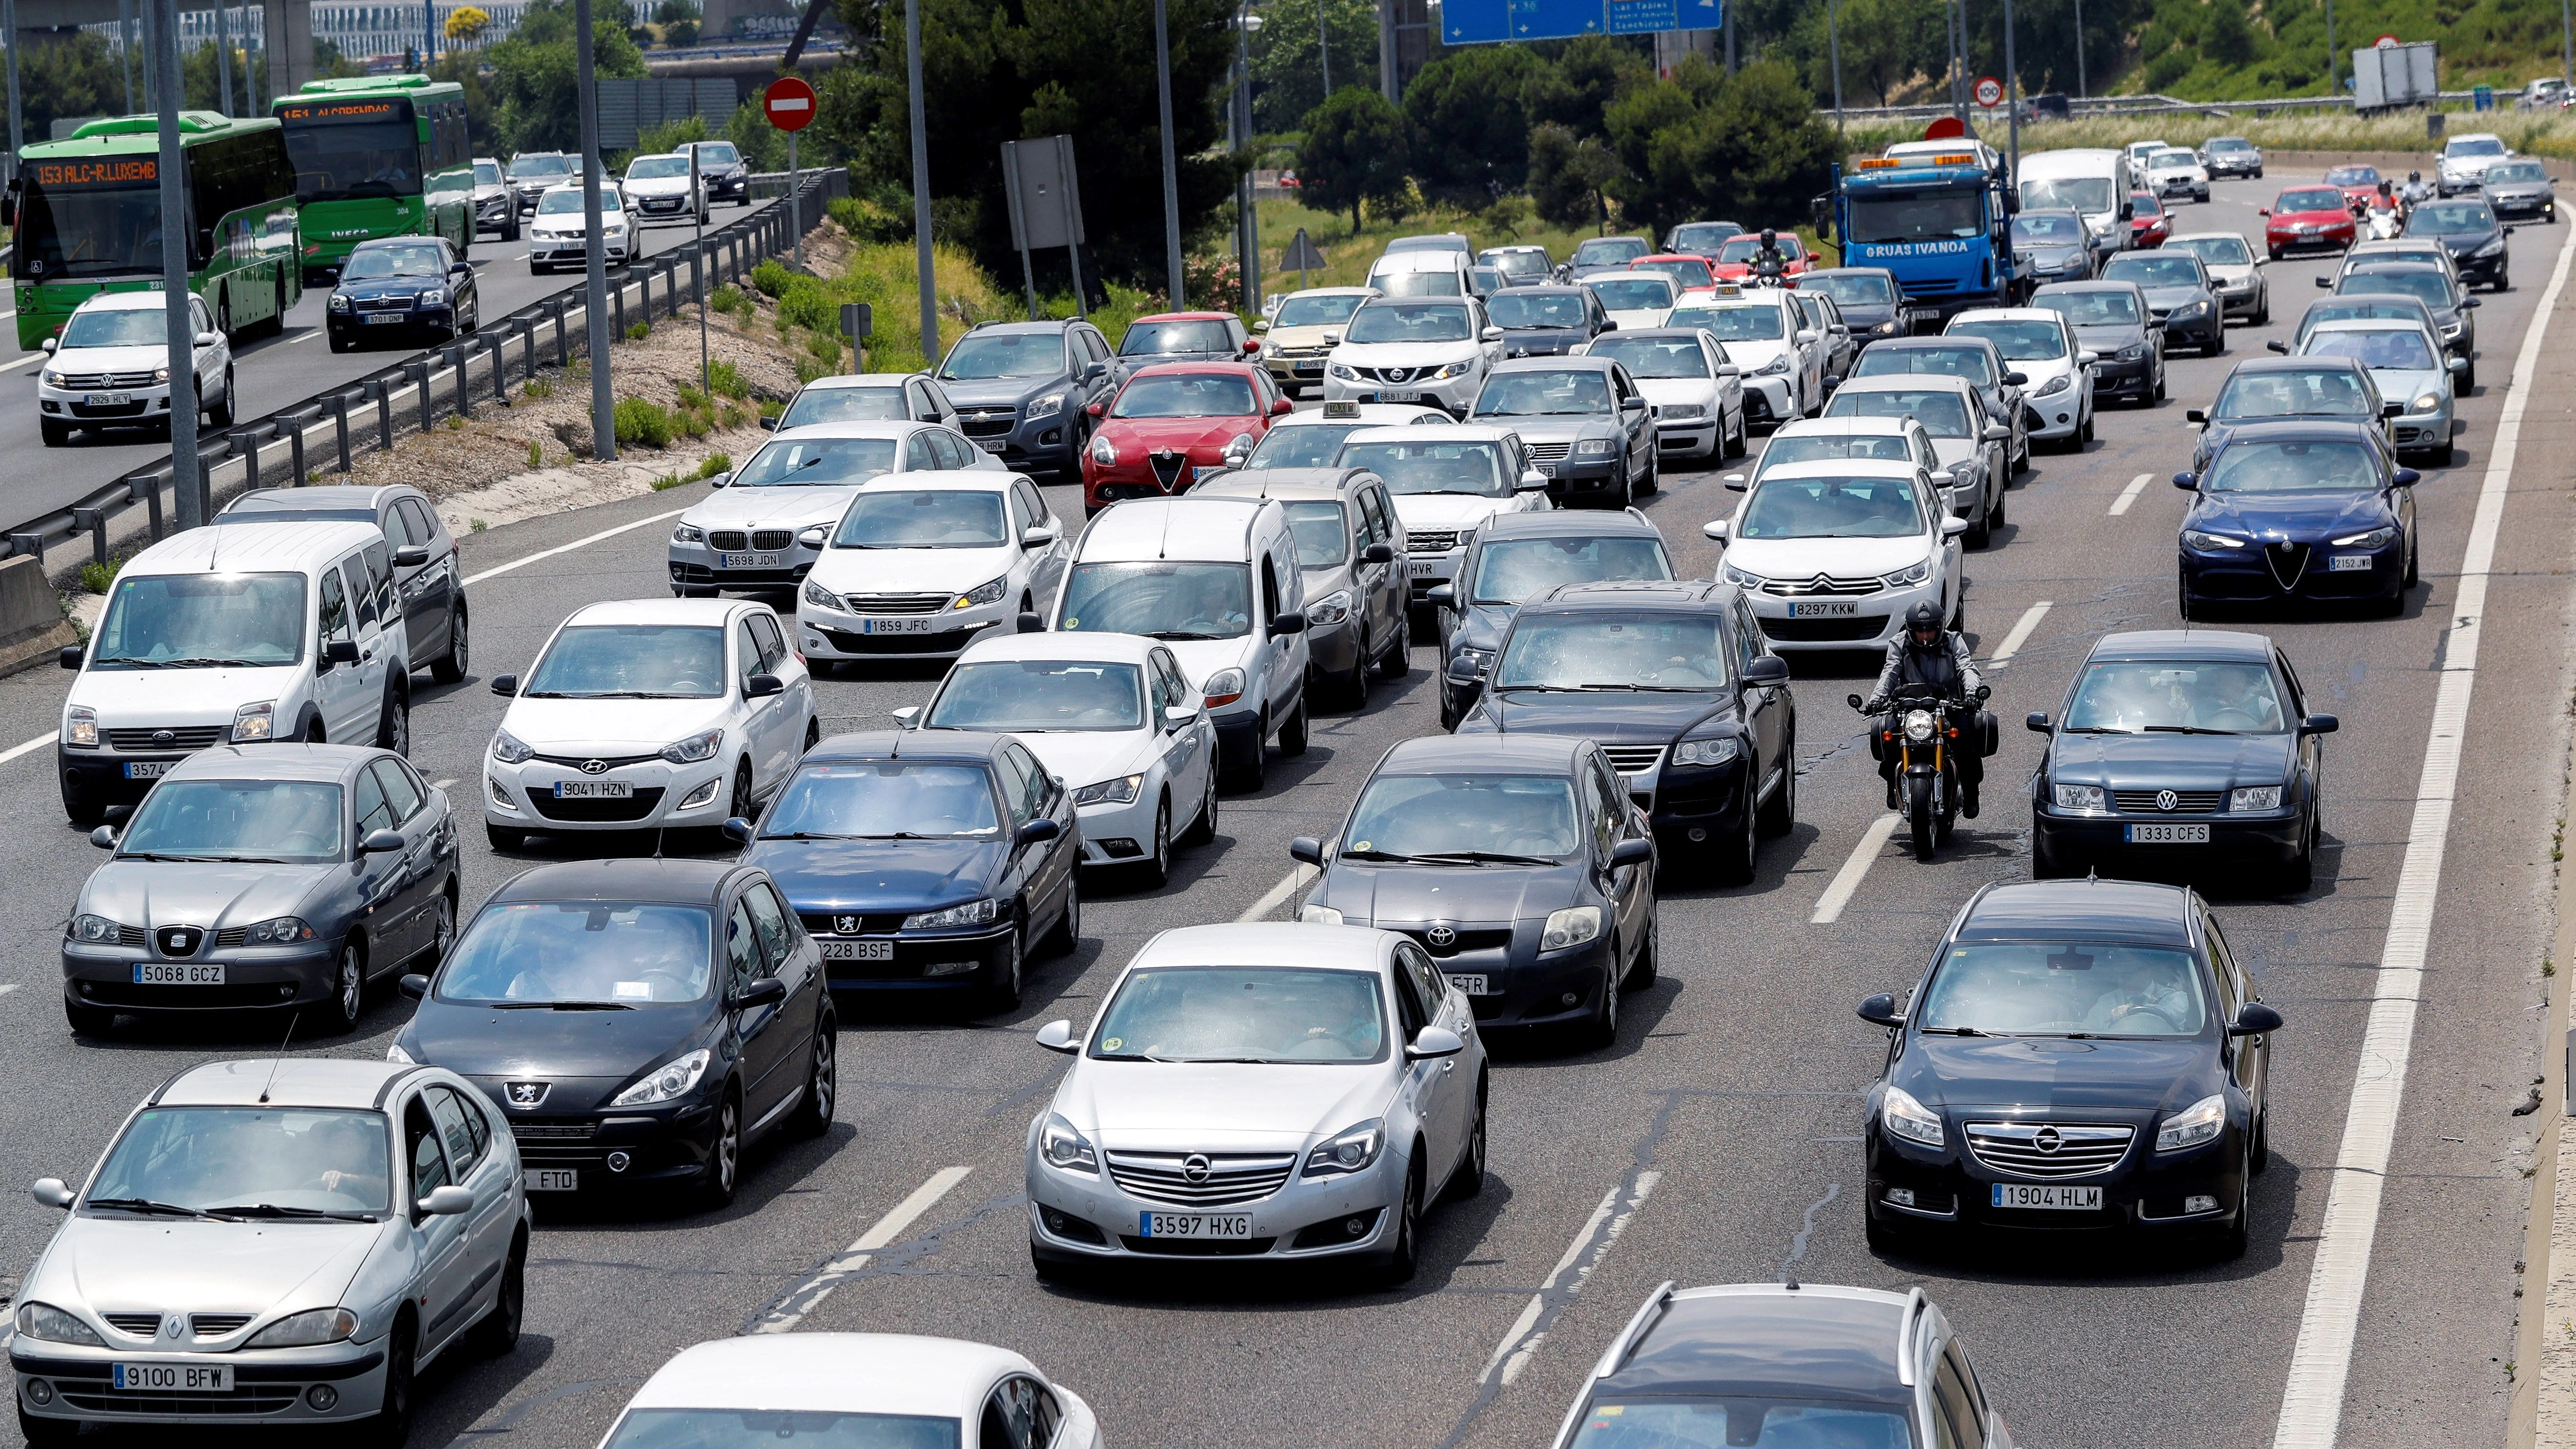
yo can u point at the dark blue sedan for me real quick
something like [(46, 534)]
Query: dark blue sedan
[(2299, 512), (925, 862), (400, 288)]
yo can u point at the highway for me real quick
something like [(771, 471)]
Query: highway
[(1717, 1140), (272, 372)]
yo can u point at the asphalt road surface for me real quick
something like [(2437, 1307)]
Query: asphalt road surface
[(1716, 1141)]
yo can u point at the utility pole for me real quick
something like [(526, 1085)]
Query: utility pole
[(1247, 225), (1386, 49), (603, 397), (1834, 42), (921, 186), (186, 483), (697, 272), (1726, 18), (2334, 63), (17, 121), (2081, 88), (124, 48), (1324, 48), (1171, 176), (2012, 92), (429, 31), (223, 64)]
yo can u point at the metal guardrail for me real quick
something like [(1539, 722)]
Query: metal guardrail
[(2152, 104), (346, 421)]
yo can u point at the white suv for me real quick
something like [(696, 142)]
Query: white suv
[(111, 368), (1413, 350)]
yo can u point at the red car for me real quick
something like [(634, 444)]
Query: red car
[(2358, 183), (1735, 256), (1169, 421), (2148, 224), (1689, 273), (2307, 218)]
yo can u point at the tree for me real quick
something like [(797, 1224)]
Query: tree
[(1590, 72), (2228, 37), (1287, 70), (466, 24), (533, 77), (1354, 151), (1470, 126), (70, 76), (1569, 175), (1706, 145)]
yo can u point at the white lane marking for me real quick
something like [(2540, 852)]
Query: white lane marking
[(5, 990), (810, 1294), (442, 784), (1272, 899), (307, 337), (14, 751), (1829, 906), (2312, 1400), (1521, 1341), (519, 563), (2129, 494), (22, 362), (2020, 634)]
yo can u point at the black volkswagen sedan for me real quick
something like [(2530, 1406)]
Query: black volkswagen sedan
[(1520, 864), (2314, 512), (637, 1021), (926, 861), (399, 288), (1685, 696), (2184, 749), (2468, 229), (1516, 557), (2082, 1054)]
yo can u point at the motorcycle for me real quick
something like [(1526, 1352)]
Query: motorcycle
[(2384, 224), (1767, 273), (1925, 731)]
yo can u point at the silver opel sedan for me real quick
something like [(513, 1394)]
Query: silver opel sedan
[(284, 1241)]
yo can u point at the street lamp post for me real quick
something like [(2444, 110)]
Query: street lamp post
[(923, 264), (1834, 42), (2081, 89), (179, 326), (1171, 173), (1247, 231), (2334, 68)]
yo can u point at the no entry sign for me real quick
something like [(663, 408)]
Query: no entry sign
[(1990, 92), (789, 103)]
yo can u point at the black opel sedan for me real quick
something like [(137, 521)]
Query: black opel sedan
[(2113, 322), (400, 289), (1686, 698), (1516, 557), (2187, 750), (637, 1021), (2314, 512), (926, 861), (2082, 1054), (1520, 864)]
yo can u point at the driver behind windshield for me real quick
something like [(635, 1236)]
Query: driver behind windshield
[(1434, 815)]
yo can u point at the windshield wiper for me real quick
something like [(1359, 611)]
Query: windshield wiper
[(272, 1210), (2188, 730), (1169, 634), (817, 835), (1656, 688), (1955, 1031), (1488, 857), (155, 1207), (2093, 730), (1542, 688), (1393, 855)]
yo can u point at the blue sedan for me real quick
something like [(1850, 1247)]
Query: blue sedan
[(2310, 511), (402, 287)]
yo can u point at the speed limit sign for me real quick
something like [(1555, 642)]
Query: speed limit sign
[(1990, 92)]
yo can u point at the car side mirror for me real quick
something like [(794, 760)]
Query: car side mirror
[(2015, 379), (47, 345), (2457, 365), (2325, 284), (766, 991), (380, 842), (762, 686), (1176, 716), (1632, 405), (2468, 302), (2087, 359), (1735, 482), (104, 837), (1098, 410), (1093, 373), (339, 651), (769, 425), (737, 830), (414, 984), (2392, 410), (1432, 1043), (1306, 850), (208, 339), (2036, 722), (1717, 528), (2262, 211), (1953, 527), (1251, 345), (1039, 535), (1729, 369), (2407, 478), (51, 1192), (1260, 324), (1283, 624), (1377, 553), (1491, 334), (1636, 850), (1767, 669), (2254, 1019), (1945, 477), (505, 684), (411, 556), (721, 480), (2277, 345), (445, 1202), (1880, 1010), (1057, 1036), (70, 656), (2320, 724), (1805, 337), (2187, 482), (1833, 382), (1608, 326), (2196, 415), (1281, 407), (1996, 432), (907, 717)]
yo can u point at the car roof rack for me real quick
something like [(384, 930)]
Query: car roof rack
[(1626, 1342), (1915, 1303)]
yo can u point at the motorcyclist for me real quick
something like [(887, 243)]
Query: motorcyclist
[(1929, 655), (1769, 260), (2416, 190)]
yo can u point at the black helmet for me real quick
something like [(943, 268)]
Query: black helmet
[(1769, 236), (1923, 618), (2414, 175)]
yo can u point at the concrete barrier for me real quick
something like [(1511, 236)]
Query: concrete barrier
[(33, 628)]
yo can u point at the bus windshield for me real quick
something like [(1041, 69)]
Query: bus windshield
[(353, 149), (1912, 216), (90, 230)]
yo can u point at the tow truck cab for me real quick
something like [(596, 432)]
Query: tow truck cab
[(1939, 221)]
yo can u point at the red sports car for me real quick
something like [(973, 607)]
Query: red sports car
[(2358, 183), (2307, 218), (2148, 224), (1171, 420), (1735, 256)]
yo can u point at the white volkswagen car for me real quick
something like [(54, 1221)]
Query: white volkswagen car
[(1697, 391), (1256, 1094), (2057, 370), (1445, 482), (110, 368), (852, 1391), (1831, 554), (660, 188), (559, 234), (923, 564), (1765, 334), (767, 522), (1413, 350), (1111, 715), (655, 713), (1636, 301)]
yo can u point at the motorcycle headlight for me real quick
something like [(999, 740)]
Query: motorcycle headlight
[(435, 296), (2430, 402), (2056, 385), (1912, 574), (1104, 452), (1347, 1152), (307, 1329), (2194, 538), (509, 749), (1918, 724), (2255, 797), (1776, 367), (1738, 577), (1121, 791), (1705, 752), (695, 748), (1065, 1148), (669, 1082), (80, 726), (255, 722), (1223, 687), (1594, 448), (337, 303), (973, 913), (93, 930), (1900, 1114), (1318, 916), (982, 594), (1343, 371), (2194, 1125), (688, 533), (284, 931), (1572, 926), (1045, 407), (2376, 538), (2078, 797), (1329, 610), (819, 596), (45, 1321)]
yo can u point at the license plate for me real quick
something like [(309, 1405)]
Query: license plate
[(2047, 1198), (550, 1179), (1545, 470), (1840, 609), (108, 399), (176, 973), (175, 1378), (147, 769), (1307, 367), (858, 950), (1194, 1225), (2347, 564), (895, 626), (1473, 985), (993, 445), (2168, 834), (1423, 568), (594, 790), (387, 319), (1399, 395), (747, 560)]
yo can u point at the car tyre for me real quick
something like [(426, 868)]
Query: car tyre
[(1886, 1240), (2442, 456), (56, 435), (47, 1432), (2260, 1158), (2413, 575), (1405, 1258), (442, 936), (449, 668), (1397, 661), (223, 416), (498, 1333), (1067, 931), (1006, 996), (393, 726), (1292, 733), (2230, 1244), (1650, 952), (348, 990), (88, 1020), (1250, 775), (813, 1115), (1156, 870), (1601, 1028), (390, 1428), (1654, 470), (1468, 1178), (1203, 824), (1981, 532), (1734, 860), (723, 1172)]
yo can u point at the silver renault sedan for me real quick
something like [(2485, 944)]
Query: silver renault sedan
[(278, 1241)]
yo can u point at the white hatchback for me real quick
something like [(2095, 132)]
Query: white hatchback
[(110, 368), (1635, 300), (852, 1389), (1831, 554), (923, 564), (1765, 334), (2057, 369)]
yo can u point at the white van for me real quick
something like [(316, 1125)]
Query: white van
[(233, 635), (2095, 183), (1217, 579), (1421, 274)]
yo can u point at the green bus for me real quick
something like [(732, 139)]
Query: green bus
[(87, 210), (382, 155)]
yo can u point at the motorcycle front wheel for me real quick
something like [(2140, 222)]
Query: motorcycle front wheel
[(1919, 817)]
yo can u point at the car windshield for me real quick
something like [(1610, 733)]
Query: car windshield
[(1513, 311), (1516, 570), (2171, 160), (568, 203), (1147, 339), (2511, 173), (2352, 176), (1256, 1015), (1832, 508), (121, 327), (2057, 230), (1530, 815), (715, 153), (285, 822), (1703, 236), (1304, 445), (1004, 354), (1330, 309), (2058, 988), (319, 1160), (537, 167), (2075, 193), (1826, 447), (1609, 251), (2153, 271), (2440, 218), (2025, 339), (1654, 356), (1322, 531), (878, 404), (1758, 322), (1410, 322), (2424, 284), (1852, 289), (909, 519), (1944, 214), (1473, 468), (2090, 308), (487, 173), (646, 167), (774, 1428), (419, 259), (1416, 284), (2315, 200), (2294, 467), (2176, 695), (2305, 392), (1943, 413), (884, 800), (1968, 361), (631, 661), (2380, 349), (184, 621), (1685, 271), (1186, 395), (1590, 650), (581, 953), (2215, 251), (2230, 143), (1745, 248), (2474, 146), (1007, 695), (1694, 1421), (818, 463), (1165, 599), (2144, 205), (1551, 392)]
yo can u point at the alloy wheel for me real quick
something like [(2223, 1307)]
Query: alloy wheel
[(352, 987)]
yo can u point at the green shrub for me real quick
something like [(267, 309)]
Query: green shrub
[(692, 399), (638, 331), (694, 424), (806, 304), (807, 370), (648, 424), (541, 387), (726, 379), (770, 277), (725, 298), (824, 347), (536, 455), (95, 577)]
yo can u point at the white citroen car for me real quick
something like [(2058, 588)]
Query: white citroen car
[(1413, 350), (767, 522), (923, 564), (1113, 716), (2057, 370), (1767, 336), (1446, 481), (852, 1389), (1636, 301), (1831, 554), (1259, 1094), (647, 714)]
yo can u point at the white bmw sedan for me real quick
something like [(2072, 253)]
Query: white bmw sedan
[(923, 564), (1831, 554), (766, 523), (1263, 1093), (851, 1391)]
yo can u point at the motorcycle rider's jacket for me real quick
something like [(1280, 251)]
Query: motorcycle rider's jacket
[(1946, 668)]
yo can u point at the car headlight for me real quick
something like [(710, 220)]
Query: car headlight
[(1045, 407), (696, 747), (2376, 538), (1776, 367), (255, 722), (337, 303), (52, 378), (973, 913), (1104, 452), (1571, 926), (1912, 574), (2078, 797), (669, 1082), (1355, 1150), (2134, 352), (2255, 797), (2494, 247), (1343, 371), (2430, 402), (1594, 448), (160, 374), (1455, 369), (819, 596), (1329, 610), (1899, 1113), (2190, 309), (284, 931), (1705, 752), (2453, 329), (1883, 329), (509, 749), (1223, 687), (1738, 577), (1318, 916), (304, 1330), (1918, 725), (45, 1321), (688, 533), (984, 593), (2196, 1124), (2194, 538), (2056, 385), (1065, 1148), (397, 1055), (435, 296), (1121, 791), (93, 930), (80, 726), (1685, 410)]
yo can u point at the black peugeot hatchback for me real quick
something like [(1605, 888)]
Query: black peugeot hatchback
[(638, 1021), (2082, 1054)]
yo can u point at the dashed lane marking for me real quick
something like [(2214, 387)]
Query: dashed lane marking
[(2020, 634), (2130, 494), (1591, 1243), (584, 542), (1277, 896), (1829, 906), (802, 1300)]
